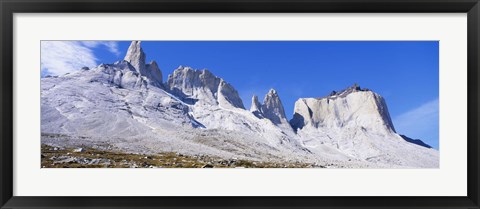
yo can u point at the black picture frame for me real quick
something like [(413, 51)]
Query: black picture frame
[(9, 7)]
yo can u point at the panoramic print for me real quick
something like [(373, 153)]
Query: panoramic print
[(239, 104)]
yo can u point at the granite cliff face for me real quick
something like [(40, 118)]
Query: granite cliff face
[(351, 107), (228, 97), (355, 121), (136, 58), (202, 86), (127, 105), (154, 72), (256, 107), (271, 109)]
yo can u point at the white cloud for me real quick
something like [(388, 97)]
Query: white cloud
[(112, 46), (420, 123), (60, 57)]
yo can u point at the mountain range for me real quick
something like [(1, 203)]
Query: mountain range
[(127, 106)]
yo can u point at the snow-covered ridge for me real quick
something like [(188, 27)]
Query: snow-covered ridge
[(195, 112)]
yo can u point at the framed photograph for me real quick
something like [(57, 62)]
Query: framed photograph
[(239, 104)]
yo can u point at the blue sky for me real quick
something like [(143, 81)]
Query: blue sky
[(405, 73)]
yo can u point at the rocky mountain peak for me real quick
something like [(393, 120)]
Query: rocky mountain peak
[(227, 96), (354, 88), (272, 108), (136, 57), (204, 87), (353, 107), (198, 113), (154, 72), (272, 92), (191, 83), (256, 107)]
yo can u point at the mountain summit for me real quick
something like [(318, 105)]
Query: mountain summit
[(126, 106), (353, 105), (356, 121), (136, 57), (256, 107), (272, 107), (203, 87)]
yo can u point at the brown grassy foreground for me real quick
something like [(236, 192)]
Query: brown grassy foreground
[(55, 157)]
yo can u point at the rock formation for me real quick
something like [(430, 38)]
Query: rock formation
[(154, 72), (136, 57), (355, 121), (272, 108), (227, 96), (125, 104), (350, 107), (256, 107), (202, 86)]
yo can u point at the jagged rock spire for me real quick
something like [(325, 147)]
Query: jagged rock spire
[(204, 87), (154, 71), (136, 57), (228, 96), (272, 108), (256, 107)]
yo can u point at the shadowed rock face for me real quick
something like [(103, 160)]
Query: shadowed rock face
[(302, 115), (355, 121), (136, 57), (196, 112), (256, 107), (272, 108), (203, 86), (227, 96), (415, 141), (154, 72), (121, 74), (194, 84), (108, 101), (350, 106)]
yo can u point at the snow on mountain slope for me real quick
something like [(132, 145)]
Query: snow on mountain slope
[(216, 104), (108, 100), (357, 123), (121, 105), (150, 120), (127, 105)]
